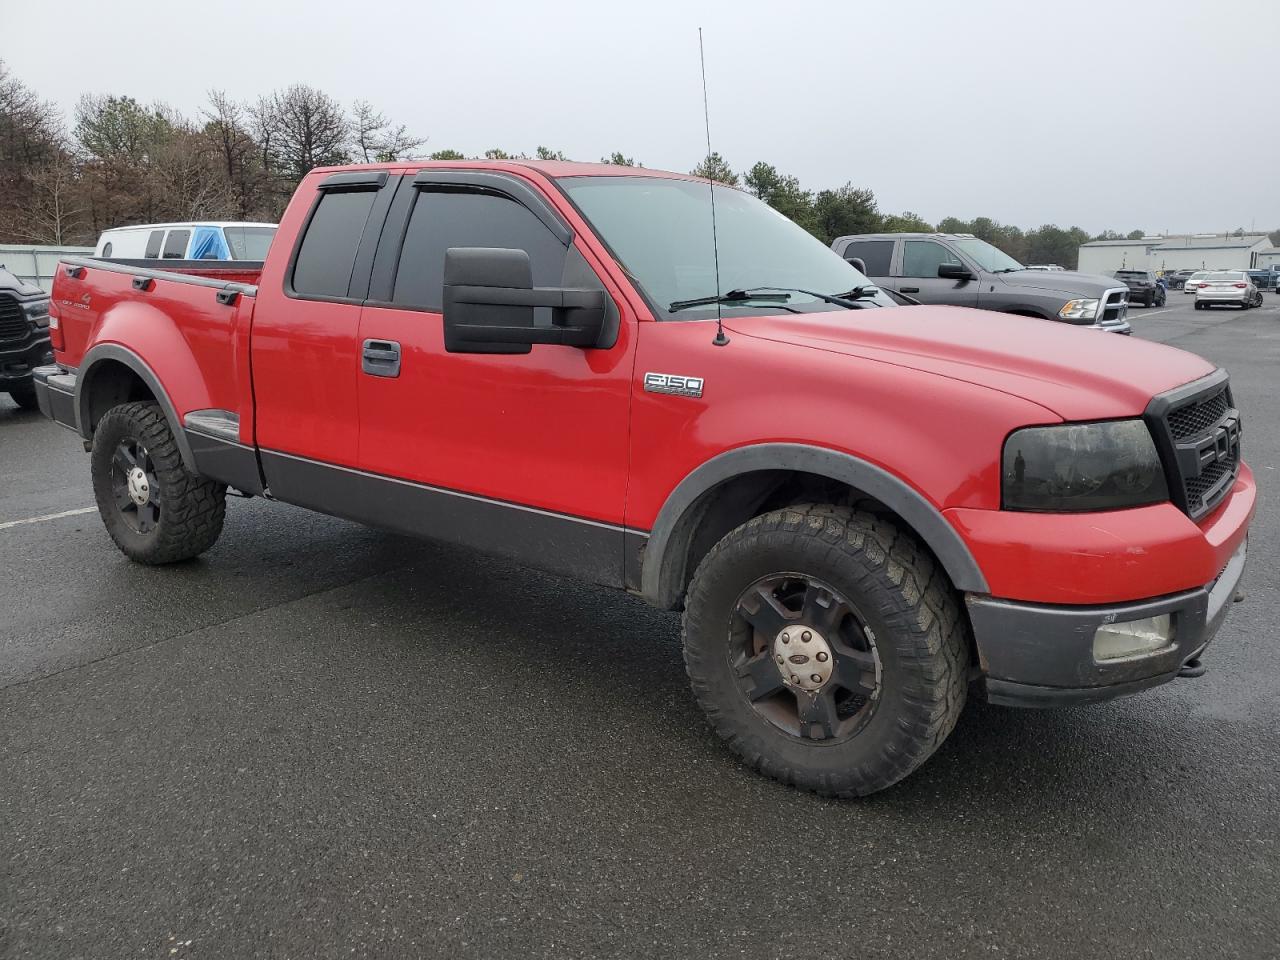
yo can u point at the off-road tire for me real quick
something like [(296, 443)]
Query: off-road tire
[(191, 508), (25, 397), (920, 632)]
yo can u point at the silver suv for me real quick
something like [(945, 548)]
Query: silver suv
[(963, 271)]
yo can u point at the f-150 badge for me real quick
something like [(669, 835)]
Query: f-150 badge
[(673, 384)]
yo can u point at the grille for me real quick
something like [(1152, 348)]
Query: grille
[(1201, 437), (13, 322), (1114, 309), (1203, 492), (1195, 419)]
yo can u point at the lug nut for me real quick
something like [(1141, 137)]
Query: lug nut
[(822, 657), (786, 638), (816, 678), (795, 679), (779, 659), (806, 636)]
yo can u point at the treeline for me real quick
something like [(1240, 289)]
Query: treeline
[(828, 214), (122, 162)]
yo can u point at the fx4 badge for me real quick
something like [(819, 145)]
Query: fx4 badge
[(673, 384)]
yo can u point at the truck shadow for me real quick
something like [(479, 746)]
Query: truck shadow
[(608, 661)]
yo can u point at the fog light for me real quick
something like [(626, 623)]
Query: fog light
[(1132, 638)]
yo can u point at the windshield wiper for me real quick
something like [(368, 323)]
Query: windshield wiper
[(780, 295), (733, 296), (1009, 270)]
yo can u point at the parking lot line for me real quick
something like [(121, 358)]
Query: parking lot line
[(48, 516)]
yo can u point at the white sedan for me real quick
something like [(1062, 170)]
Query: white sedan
[(1193, 281), (1227, 286)]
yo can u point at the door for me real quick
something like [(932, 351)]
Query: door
[(305, 354), (918, 275), (522, 454)]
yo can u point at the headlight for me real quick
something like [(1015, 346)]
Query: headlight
[(1079, 309), (37, 312), (1086, 466)]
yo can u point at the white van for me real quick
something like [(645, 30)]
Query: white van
[(187, 241)]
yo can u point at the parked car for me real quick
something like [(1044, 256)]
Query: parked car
[(961, 270), (1192, 283), (1263, 279), (1143, 287), (1230, 287), (1177, 279), (187, 241), (24, 337), (864, 512)]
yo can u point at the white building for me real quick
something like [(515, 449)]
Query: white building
[(1200, 252), (1269, 259)]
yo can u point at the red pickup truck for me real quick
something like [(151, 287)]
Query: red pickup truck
[(867, 512)]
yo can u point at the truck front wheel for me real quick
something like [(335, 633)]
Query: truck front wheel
[(826, 648), (155, 510)]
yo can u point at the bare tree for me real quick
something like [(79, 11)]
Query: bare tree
[(376, 140), (299, 129), (55, 212), (226, 130), (31, 136)]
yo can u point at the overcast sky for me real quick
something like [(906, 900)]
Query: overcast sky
[(1122, 115)]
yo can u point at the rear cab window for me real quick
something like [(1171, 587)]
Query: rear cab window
[(876, 254), (325, 258)]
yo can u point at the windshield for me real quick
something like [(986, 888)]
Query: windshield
[(986, 256), (659, 228), (249, 243)]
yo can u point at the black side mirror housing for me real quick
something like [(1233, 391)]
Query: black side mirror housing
[(858, 264), (954, 271), (489, 301)]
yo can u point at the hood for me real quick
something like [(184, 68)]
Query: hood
[(1069, 283), (11, 284), (1079, 373)]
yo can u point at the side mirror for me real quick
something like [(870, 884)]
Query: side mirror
[(489, 299), (858, 264), (954, 271)]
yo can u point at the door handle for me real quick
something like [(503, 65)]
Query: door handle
[(908, 289), (380, 358)]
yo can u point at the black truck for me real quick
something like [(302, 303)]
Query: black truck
[(24, 337)]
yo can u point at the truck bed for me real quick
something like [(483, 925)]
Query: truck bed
[(192, 315)]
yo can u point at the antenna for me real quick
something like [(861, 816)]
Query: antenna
[(720, 339)]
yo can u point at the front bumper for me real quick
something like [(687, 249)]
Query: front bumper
[(19, 358), (1040, 655)]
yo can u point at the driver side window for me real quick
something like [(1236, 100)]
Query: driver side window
[(921, 258)]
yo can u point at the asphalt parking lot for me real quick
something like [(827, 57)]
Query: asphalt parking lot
[(321, 740)]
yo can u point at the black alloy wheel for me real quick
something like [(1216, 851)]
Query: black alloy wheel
[(804, 657), (135, 486)]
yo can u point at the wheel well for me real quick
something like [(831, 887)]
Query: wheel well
[(738, 499), (110, 384), (1027, 313)]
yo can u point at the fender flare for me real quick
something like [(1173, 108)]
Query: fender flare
[(925, 520), (125, 356)]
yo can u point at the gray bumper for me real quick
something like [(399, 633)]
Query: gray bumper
[(1036, 655), (56, 394)]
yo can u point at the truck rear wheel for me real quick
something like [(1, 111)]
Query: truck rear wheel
[(155, 510), (826, 648)]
